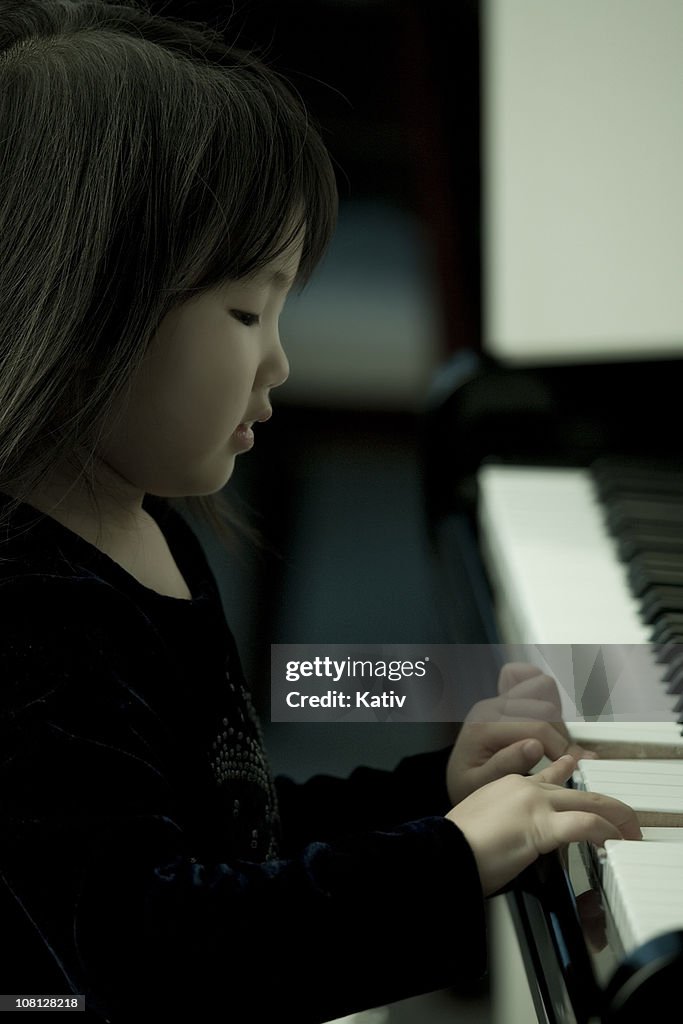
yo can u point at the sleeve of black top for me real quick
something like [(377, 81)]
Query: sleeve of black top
[(145, 930), (327, 807)]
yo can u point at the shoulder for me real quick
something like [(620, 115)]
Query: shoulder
[(60, 634), (42, 603)]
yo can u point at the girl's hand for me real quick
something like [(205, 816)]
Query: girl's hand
[(511, 732), (509, 822)]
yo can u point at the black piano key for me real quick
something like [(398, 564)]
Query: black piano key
[(669, 634), (663, 660), (669, 620), (640, 579), (658, 600), (614, 474), (667, 652), (631, 542), (653, 561), (673, 666), (641, 483), (675, 684), (643, 514), (642, 504)]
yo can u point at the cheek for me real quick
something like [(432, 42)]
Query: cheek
[(194, 389), (208, 401), (186, 402)]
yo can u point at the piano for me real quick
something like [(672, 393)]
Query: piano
[(545, 532), (566, 556)]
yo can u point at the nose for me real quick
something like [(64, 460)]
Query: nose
[(278, 366)]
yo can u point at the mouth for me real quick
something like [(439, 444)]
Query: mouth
[(244, 434)]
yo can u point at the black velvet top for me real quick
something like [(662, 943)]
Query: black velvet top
[(147, 858)]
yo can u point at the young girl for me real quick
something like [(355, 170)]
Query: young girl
[(160, 192)]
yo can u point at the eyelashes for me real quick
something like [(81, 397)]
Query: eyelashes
[(247, 319)]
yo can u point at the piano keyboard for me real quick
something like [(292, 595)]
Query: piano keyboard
[(559, 578), (590, 562)]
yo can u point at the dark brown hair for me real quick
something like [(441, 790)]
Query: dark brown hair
[(143, 160)]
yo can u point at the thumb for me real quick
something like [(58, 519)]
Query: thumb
[(515, 759)]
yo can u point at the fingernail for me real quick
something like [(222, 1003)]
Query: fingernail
[(532, 748), (592, 754)]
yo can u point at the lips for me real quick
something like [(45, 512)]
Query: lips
[(244, 435)]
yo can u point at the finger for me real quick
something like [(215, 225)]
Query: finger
[(527, 710), (493, 736), (495, 709), (519, 680), (579, 753), (558, 772), (619, 814), (515, 672), (564, 731), (576, 827), (491, 733), (513, 759), (542, 698), (554, 736), (538, 687)]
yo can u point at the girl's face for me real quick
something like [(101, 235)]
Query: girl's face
[(205, 380)]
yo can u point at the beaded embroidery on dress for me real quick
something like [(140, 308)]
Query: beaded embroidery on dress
[(241, 769)]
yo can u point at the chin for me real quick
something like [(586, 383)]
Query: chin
[(207, 484), (226, 475)]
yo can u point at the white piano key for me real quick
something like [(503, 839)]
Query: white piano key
[(649, 787), (643, 885), (548, 543), (655, 834), (631, 856)]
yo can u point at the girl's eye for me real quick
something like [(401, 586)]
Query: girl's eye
[(248, 319)]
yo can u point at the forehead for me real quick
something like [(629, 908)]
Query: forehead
[(281, 271)]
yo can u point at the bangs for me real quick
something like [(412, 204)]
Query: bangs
[(265, 179)]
